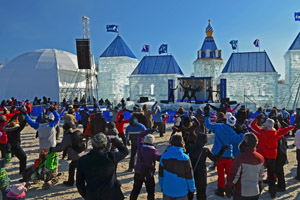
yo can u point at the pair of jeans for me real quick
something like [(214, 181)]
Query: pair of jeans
[(132, 155), (4, 193), (139, 179), (159, 125), (200, 177), (271, 166), (17, 150), (72, 167), (298, 160)]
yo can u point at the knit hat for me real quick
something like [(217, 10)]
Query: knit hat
[(269, 123), (228, 114), (99, 141), (111, 125), (149, 139), (70, 107), (71, 111), (249, 142), (17, 191), (133, 121), (231, 121), (177, 140)]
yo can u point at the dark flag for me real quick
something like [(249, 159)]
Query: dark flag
[(146, 48), (112, 28), (256, 43), (297, 16), (233, 44), (163, 49)]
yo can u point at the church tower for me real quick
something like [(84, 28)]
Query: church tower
[(209, 62)]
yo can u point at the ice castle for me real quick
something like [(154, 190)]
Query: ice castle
[(150, 78), (251, 77), (115, 65)]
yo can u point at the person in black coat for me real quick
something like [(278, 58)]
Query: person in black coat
[(193, 93), (186, 92), (198, 155), (96, 176), (85, 118), (13, 131), (98, 123), (171, 96)]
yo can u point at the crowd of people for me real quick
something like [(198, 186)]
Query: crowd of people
[(242, 149)]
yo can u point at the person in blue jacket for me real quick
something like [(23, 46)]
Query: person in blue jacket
[(158, 120), (132, 133), (224, 135), (176, 177)]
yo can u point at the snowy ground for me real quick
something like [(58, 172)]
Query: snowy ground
[(59, 191)]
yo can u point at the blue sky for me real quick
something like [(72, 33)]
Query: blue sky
[(30, 25)]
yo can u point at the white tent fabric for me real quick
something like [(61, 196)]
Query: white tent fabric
[(40, 73)]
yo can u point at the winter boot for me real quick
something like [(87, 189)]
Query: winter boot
[(220, 192)]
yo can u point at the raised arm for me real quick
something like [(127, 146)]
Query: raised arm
[(209, 125), (32, 123), (123, 151), (235, 107), (56, 119), (215, 108), (285, 130), (255, 128)]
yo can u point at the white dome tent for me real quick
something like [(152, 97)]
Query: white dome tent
[(44, 72)]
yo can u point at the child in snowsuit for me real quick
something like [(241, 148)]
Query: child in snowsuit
[(198, 155)]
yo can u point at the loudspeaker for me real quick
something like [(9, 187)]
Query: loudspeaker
[(225, 100), (144, 99), (232, 102), (164, 101), (83, 53)]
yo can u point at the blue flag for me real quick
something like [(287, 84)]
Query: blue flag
[(163, 49), (256, 43), (233, 44), (297, 16), (146, 48), (112, 28)]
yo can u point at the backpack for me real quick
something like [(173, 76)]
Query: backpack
[(79, 141)]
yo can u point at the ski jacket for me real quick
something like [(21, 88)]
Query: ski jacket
[(268, 139)]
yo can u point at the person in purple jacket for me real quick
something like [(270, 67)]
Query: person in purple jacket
[(145, 165)]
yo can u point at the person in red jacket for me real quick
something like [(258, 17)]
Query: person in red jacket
[(120, 125), (28, 107), (267, 145), (3, 137)]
